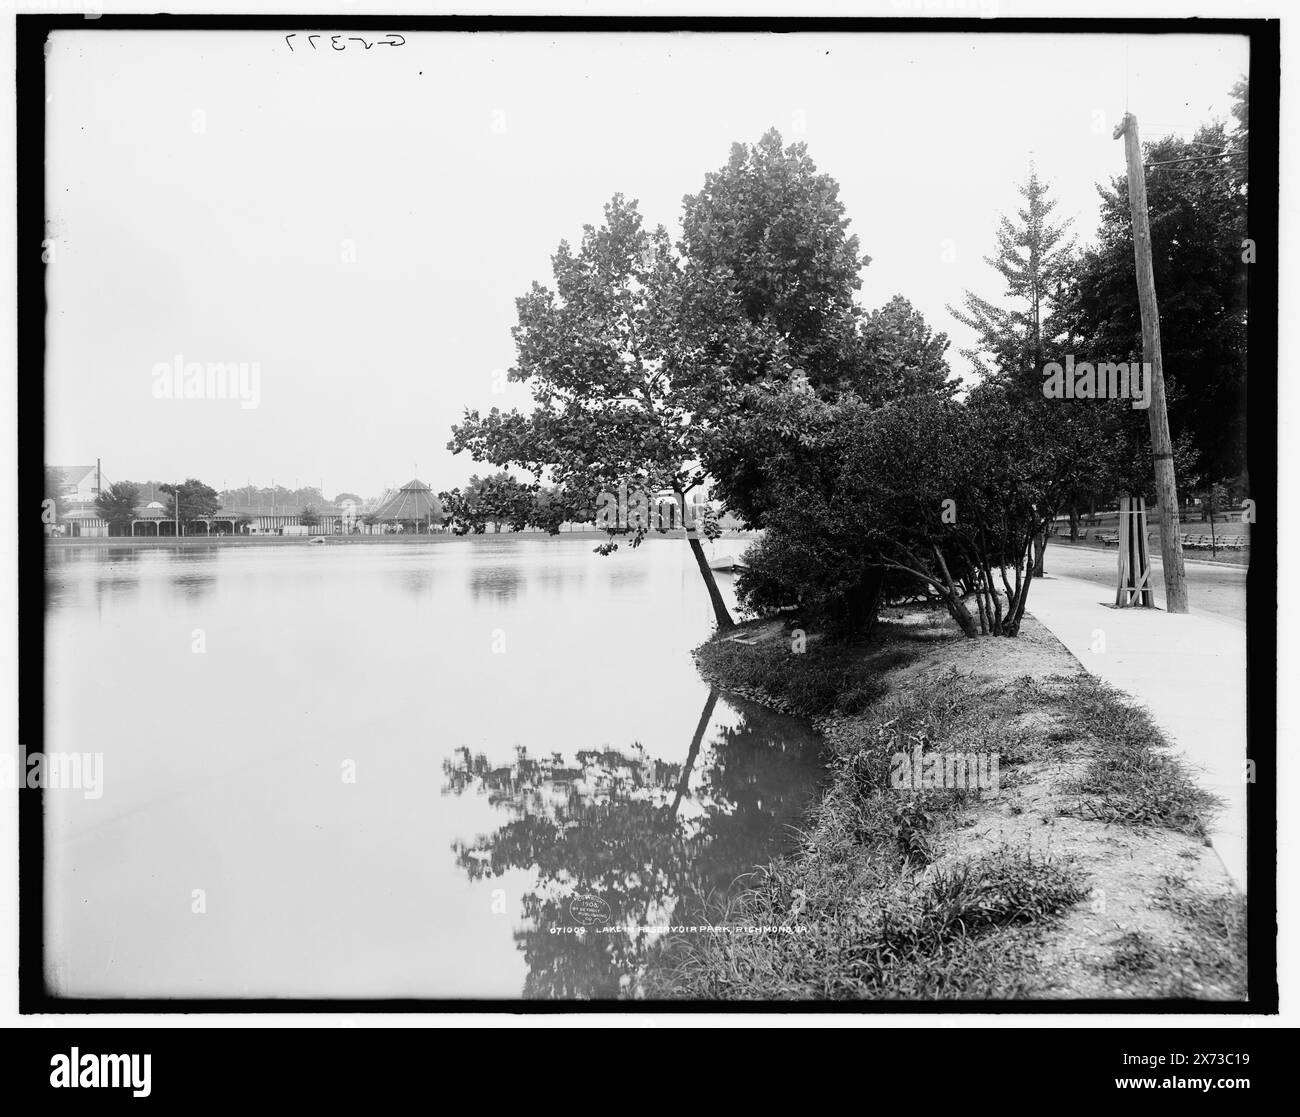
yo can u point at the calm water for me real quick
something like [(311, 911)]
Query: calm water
[(390, 770)]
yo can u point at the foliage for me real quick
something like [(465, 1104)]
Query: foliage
[(772, 229), (940, 496), (610, 357), (1033, 256), (1198, 215), (654, 840), (55, 482), (279, 496), (116, 505), (497, 499), (554, 506), (905, 356), (824, 679), (196, 500)]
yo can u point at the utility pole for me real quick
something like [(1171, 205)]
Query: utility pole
[(1171, 547)]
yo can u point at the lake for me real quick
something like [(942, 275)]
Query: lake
[(394, 770)]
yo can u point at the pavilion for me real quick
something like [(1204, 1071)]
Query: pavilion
[(413, 506)]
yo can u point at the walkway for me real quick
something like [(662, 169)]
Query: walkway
[(1189, 671)]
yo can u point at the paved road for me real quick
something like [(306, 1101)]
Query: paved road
[(1213, 589)]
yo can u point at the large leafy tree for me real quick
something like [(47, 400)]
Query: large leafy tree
[(497, 499), (904, 354), (116, 505), (770, 230), (554, 506), (612, 358), (195, 499), (773, 228)]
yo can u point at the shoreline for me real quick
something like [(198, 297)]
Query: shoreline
[(93, 541), (1082, 872)]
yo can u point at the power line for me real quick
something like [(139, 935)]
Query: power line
[(1195, 159)]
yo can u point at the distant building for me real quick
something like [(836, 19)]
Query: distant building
[(80, 483), (413, 508), (79, 492)]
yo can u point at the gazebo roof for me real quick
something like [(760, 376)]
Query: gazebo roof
[(413, 501)]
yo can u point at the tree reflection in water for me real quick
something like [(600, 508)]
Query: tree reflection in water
[(656, 841)]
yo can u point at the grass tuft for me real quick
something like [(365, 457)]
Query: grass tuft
[(817, 682), (1132, 779), (936, 936)]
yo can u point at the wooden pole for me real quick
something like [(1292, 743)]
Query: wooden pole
[(1171, 547)]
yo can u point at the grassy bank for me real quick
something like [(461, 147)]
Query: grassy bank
[(1079, 871)]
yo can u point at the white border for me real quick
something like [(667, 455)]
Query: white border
[(1288, 589)]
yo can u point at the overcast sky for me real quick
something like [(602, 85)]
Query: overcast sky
[(207, 190)]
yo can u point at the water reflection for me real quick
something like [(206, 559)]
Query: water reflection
[(626, 576), (496, 583), (416, 580), (111, 573), (558, 580), (315, 656), (193, 586), (657, 841)]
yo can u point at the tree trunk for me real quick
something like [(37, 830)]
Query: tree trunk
[(1017, 613), (1074, 524), (862, 605), (1040, 549), (694, 751), (959, 612), (711, 584)]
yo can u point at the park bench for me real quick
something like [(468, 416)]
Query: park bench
[(1109, 538)]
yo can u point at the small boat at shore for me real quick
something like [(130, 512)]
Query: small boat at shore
[(727, 563)]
